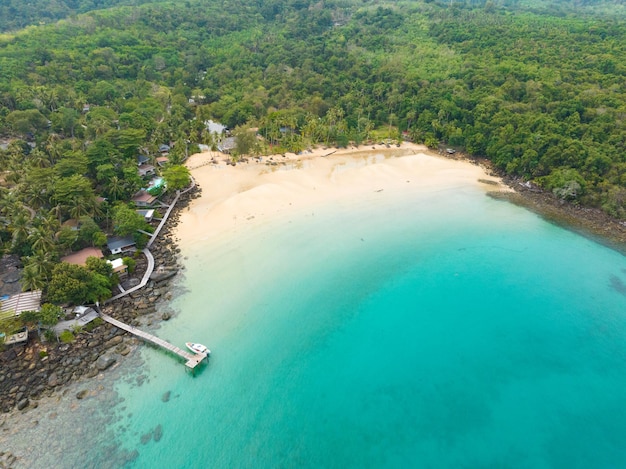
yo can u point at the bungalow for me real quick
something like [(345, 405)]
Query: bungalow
[(162, 160), (118, 266), (16, 304), (163, 148), (142, 159), (147, 214), (145, 170), (215, 127), (118, 245), (227, 145), (80, 257), (143, 199)]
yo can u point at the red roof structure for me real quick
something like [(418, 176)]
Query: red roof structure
[(80, 257)]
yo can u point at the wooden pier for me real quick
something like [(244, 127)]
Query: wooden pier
[(192, 359)]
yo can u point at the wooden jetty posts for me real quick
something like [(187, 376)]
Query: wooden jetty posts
[(192, 359)]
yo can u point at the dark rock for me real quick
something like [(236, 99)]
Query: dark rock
[(166, 316), (113, 342), (160, 276), (82, 394), (21, 405), (130, 283), (166, 396), (146, 437), (158, 432), (104, 362), (9, 355), (12, 277)]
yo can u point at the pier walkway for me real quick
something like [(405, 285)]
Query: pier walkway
[(192, 359), (146, 250)]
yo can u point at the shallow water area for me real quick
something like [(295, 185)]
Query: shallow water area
[(401, 323), (64, 431)]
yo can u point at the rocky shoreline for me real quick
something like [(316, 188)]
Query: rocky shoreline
[(36, 370), (590, 222)]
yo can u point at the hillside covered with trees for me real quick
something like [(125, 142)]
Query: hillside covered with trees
[(541, 92), (17, 14)]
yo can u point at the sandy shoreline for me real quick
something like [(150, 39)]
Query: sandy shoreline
[(257, 191)]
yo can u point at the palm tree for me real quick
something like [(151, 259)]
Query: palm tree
[(9, 202), (78, 207), (39, 159), (20, 225), (36, 194), (41, 239), (115, 188), (42, 262), (95, 206), (50, 223), (57, 211), (54, 147), (30, 280)]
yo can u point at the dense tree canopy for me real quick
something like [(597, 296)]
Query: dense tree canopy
[(76, 284), (177, 177)]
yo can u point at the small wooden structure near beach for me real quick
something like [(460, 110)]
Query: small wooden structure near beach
[(192, 359)]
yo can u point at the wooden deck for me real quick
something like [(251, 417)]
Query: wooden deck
[(192, 359)]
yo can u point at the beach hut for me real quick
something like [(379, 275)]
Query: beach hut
[(142, 159), (145, 170), (118, 245), (227, 145), (143, 199), (118, 266)]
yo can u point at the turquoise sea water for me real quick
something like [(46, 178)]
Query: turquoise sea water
[(416, 329)]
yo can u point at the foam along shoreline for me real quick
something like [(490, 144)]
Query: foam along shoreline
[(254, 192)]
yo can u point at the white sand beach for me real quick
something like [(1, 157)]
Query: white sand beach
[(256, 191)]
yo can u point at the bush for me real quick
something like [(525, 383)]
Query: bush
[(93, 324), (49, 335), (66, 337), (130, 263)]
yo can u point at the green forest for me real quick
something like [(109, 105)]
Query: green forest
[(537, 88)]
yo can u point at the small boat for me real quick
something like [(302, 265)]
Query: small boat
[(198, 348)]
